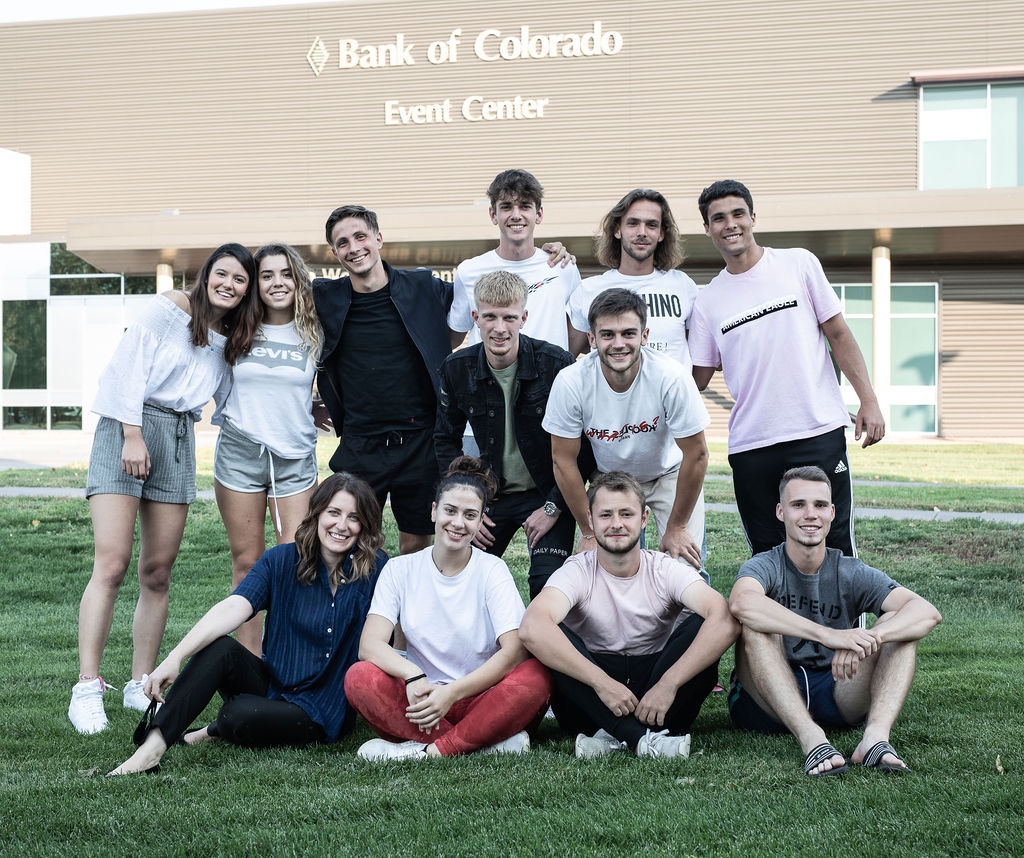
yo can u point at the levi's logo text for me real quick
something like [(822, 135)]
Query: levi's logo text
[(624, 431), (788, 302), (273, 354)]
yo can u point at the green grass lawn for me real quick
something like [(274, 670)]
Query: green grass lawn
[(971, 477), (737, 795)]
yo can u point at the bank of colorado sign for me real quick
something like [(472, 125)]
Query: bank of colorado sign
[(487, 46)]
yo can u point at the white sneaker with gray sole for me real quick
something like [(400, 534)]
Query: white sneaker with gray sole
[(661, 744), (379, 750), (517, 744), (598, 745)]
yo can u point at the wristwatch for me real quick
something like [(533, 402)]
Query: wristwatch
[(551, 508)]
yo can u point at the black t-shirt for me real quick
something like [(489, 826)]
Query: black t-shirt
[(384, 382)]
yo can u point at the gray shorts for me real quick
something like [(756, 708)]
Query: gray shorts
[(247, 466), (171, 441)]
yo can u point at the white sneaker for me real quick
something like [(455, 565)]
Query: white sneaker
[(378, 750), (86, 709), (517, 744), (135, 697), (598, 745), (661, 744)]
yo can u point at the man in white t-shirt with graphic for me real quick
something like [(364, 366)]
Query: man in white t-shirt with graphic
[(627, 673), (642, 414), (639, 243), (768, 321), (550, 272)]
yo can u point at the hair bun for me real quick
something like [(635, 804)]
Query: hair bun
[(474, 469)]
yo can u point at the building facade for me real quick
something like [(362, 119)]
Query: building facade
[(887, 137)]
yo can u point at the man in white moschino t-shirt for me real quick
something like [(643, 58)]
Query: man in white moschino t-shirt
[(639, 244)]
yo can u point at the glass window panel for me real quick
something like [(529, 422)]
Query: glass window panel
[(1008, 135), (109, 284), (839, 292), (950, 164), (912, 418), (913, 352), (24, 346), (862, 333), (858, 300), (24, 417), (66, 417), (912, 299), (63, 261), (954, 98)]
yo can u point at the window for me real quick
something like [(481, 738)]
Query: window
[(913, 367), (972, 136), (65, 417), (24, 417), (24, 346)]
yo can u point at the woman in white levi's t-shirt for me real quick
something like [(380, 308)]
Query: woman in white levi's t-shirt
[(465, 682), (266, 451)]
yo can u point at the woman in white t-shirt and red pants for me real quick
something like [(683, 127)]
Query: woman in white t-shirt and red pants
[(466, 682)]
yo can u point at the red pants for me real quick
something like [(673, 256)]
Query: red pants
[(473, 723)]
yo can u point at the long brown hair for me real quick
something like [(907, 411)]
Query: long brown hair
[(370, 538), (239, 323), (608, 249), (307, 323)]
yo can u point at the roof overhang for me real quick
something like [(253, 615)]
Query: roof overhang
[(937, 226)]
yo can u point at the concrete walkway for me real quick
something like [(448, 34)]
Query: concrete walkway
[(1014, 518)]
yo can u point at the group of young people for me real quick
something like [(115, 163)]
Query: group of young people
[(435, 647)]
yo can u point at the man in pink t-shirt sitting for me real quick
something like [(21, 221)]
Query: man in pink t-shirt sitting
[(625, 674), (768, 321)]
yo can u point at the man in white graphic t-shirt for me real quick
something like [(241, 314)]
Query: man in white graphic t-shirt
[(642, 414), (549, 271), (639, 243), (768, 321)]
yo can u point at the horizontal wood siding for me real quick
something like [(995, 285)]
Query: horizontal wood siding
[(220, 111)]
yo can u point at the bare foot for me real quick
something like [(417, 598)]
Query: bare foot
[(836, 761), (198, 736), (146, 758), (141, 761)]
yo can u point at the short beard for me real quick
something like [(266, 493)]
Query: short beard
[(618, 549)]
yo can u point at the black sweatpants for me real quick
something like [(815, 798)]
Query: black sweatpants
[(579, 709), (508, 512), (247, 716), (755, 479)]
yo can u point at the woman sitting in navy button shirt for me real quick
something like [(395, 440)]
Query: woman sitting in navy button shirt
[(316, 592)]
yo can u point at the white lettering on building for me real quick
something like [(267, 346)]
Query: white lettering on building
[(396, 53), (491, 46)]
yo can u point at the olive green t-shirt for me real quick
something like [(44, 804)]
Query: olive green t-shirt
[(514, 475)]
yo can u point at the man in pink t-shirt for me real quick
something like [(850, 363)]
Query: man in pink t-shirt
[(626, 673), (768, 320)]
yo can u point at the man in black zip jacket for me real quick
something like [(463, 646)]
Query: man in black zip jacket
[(500, 387), (385, 335)]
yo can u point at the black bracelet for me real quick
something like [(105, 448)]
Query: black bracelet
[(412, 679)]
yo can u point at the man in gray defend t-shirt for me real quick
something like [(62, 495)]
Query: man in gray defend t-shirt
[(802, 661)]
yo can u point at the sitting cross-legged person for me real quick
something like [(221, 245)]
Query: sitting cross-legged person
[(465, 683), (802, 662), (627, 673)]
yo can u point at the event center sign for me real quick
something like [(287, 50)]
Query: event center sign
[(487, 46)]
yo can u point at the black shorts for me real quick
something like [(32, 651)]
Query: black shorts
[(399, 464), (755, 479)]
